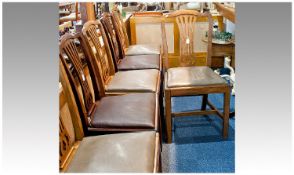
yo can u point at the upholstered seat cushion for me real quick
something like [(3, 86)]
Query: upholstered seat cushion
[(138, 62), (136, 110), (192, 76), (134, 81), (128, 152), (143, 49)]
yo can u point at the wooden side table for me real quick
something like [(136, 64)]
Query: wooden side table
[(220, 49)]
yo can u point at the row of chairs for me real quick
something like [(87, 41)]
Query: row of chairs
[(109, 86), (119, 88)]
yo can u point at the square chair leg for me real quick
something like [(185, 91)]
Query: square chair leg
[(226, 113), (168, 118)]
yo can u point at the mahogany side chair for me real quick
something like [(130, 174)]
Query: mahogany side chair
[(134, 62), (79, 154), (96, 45), (189, 80), (128, 112), (137, 49)]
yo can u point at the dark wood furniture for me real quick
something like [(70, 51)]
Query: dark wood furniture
[(122, 62), (126, 48), (102, 65), (112, 113), (79, 154), (219, 51), (190, 80)]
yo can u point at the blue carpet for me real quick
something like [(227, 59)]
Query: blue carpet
[(197, 141)]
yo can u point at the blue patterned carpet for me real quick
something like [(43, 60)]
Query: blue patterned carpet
[(197, 143)]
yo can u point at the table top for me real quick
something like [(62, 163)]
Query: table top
[(221, 42)]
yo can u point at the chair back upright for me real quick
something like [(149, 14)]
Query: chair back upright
[(186, 20), (70, 126), (121, 31), (99, 50), (80, 80), (164, 47), (107, 21)]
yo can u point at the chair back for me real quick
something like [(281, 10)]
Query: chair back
[(164, 47), (97, 44), (79, 76), (70, 126), (186, 20), (121, 31), (107, 21)]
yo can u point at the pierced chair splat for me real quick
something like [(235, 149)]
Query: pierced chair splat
[(189, 80), (79, 154), (146, 80), (106, 113)]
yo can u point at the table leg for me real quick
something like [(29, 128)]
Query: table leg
[(226, 113)]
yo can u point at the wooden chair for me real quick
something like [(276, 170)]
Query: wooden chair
[(79, 154), (111, 82), (135, 62), (192, 81), (100, 113), (138, 49)]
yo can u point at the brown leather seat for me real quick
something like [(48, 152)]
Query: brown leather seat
[(126, 111), (128, 152), (143, 49), (192, 76), (134, 81), (139, 62)]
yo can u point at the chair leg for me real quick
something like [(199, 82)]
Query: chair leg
[(160, 164), (232, 114), (168, 119), (160, 128), (204, 102), (161, 109), (226, 113)]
